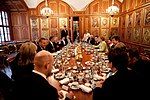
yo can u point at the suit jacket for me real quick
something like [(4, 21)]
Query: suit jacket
[(63, 43), (64, 33), (22, 77), (7, 87), (20, 72), (57, 46), (50, 47), (123, 84), (39, 48), (41, 89)]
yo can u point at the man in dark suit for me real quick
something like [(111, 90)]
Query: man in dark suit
[(64, 33), (122, 83), (51, 46), (141, 67), (41, 89), (7, 85), (41, 44)]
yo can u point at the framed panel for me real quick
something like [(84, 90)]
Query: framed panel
[(17, 32), (62, 22), (53, 22), (44, 23), (128, 34), (115, 21), (45, 33), (114, 31), (25, 33), (105, 33), (130, 20), (34, 33), (138, 18), (137, 34), (34, 22), (95, 22), (147, 17), (104, 22), (146, 36)]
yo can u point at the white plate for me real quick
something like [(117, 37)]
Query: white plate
[(74, 85), (59, 76)]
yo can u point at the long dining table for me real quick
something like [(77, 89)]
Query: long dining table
[(67, 57)]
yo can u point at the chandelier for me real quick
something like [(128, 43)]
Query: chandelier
[(112, 10), (46, 11)]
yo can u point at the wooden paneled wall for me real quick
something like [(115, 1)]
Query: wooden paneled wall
[(94, 19), (135, 24), (20, 26), (132, 24), (45, 27)]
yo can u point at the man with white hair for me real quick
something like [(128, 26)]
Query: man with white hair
[(86, 36)]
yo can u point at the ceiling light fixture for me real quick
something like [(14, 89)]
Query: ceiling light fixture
[(112, 10), (46, 11)]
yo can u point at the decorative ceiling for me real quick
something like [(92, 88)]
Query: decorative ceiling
[(76, 5), (14, 5), (23, 5)]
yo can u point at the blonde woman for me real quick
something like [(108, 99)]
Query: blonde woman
[(22, 67), (23, 63), (103, 45)]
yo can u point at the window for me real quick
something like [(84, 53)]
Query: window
[(4, 27)]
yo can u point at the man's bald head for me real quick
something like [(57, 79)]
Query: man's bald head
[(43, 61)]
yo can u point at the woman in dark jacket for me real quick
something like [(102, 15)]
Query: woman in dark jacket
[(22, 67)]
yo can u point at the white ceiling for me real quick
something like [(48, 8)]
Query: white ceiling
[(76, 5)]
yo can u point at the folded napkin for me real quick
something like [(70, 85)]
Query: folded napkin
[(59, 51), (64, 81), (54, 54), (97, 77), (85, 88), (55, 70)]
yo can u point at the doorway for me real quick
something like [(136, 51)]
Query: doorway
[(76, 28)]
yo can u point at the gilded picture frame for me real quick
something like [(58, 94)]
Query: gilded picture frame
[(34, 22), (146, 36), (62, 22), (147, 17), (137, 34), (104, 22), (115, 21), (44, 23)]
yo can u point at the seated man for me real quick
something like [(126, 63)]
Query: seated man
[(117, 43), (122, 82), (51, 47), (42, 44), (86, 37), (40, 88), (7, 85)]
